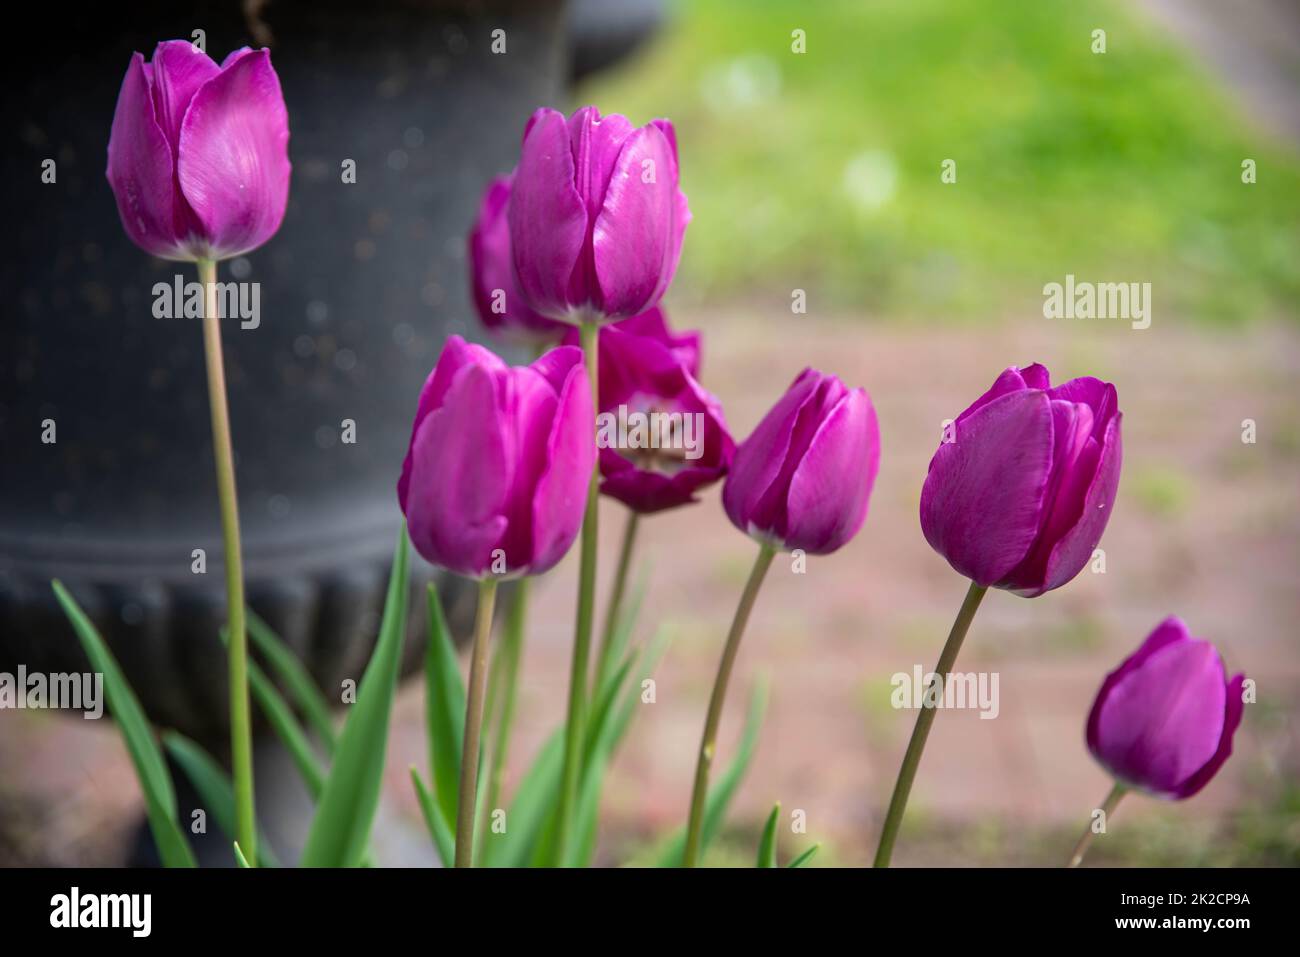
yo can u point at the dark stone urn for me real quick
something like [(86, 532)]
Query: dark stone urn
[(358, 289)]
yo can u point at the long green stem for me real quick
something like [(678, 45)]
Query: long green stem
[(478, 669), (615, 608), (925, 718), (708, 742), (1108, 808), (241, 740), (573, 728), (512, 649)]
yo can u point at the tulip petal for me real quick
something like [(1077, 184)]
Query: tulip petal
[(560, 499), (528, 415), (982, 502), (461, 471), (1231, 720), (1010, 380), (233, 160), (831, 487), (634, 234), (1164, 720), (1075, 548), (140, 168), (179, 69), (1171, 630), (548, 222)]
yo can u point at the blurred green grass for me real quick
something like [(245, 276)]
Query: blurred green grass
[(821, 171)]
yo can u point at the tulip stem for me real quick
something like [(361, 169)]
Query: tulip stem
[(241, 741), (469, 753), (924, 719), (1108, 808), (708, 743), (615, 608), (507, 666), (573, 729)]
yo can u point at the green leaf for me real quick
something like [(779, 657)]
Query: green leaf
[(240, 859), (150, 768), (444, 709), (340, 829), (213, 787), (532, 808), (805, 857), (444, 841), (286, 666), (722, 791), (285, 725), (767, 845)]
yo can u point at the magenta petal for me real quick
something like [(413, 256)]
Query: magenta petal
[(556, 364), (234, 160), (1232, 718), (1076, 546), (1163, 721), (140, 169), (634, 234), (982, 501), (461, 471), (1171, 630), (1010, 380), (179, 68), (561, 497), (830, 489), (548, 222)]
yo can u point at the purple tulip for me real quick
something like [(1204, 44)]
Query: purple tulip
[(495, 480), (1163, 720), (646, 368), (596, 215), (198, 157), (802, 480), (1019, 497), (492, 281)]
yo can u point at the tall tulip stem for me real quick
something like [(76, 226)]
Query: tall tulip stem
[(507, 660), (615, 608), (241, 741), (574, 725), (478, 669), (1108, 808), (708, 742), (924, 719)]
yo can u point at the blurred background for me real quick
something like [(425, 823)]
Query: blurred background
[(820, 171)]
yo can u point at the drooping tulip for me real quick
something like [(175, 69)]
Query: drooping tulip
[(662, 436), (494, 483), (596, 215), (803, 479), (492, 276), (1019, 493), (198, 156), (1163, 720)]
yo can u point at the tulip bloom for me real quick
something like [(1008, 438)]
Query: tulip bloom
[(1163, 720), (500, 306), (494, 482), (803, 479), (1021, 495), (198, 156), (596, 215)]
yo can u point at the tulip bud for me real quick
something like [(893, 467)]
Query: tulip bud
[(1163, 720), (494, 483), (802, 480), (648, 393), (596, 215), (1021, 495), (492, 281), (198, 156)]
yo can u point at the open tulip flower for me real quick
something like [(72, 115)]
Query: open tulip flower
[(1021, 495), (802, 480), (1163, 720), (1016, 497), (596, 215), (494, 482), (500, 306), (198, 157)]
